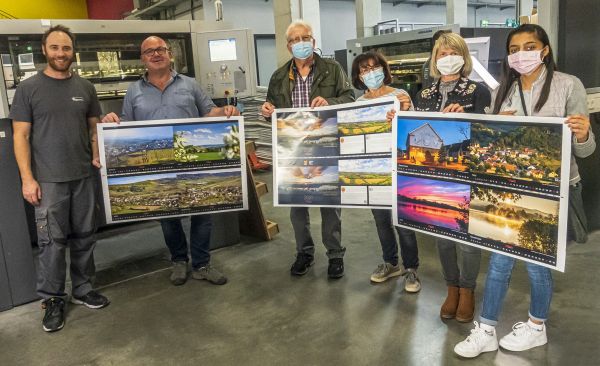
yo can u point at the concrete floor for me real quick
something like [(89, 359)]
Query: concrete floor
[(263, 316)]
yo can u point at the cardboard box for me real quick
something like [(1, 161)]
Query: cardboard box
[(528, 19)]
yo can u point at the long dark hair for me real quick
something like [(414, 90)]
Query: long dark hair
[(509, 75)]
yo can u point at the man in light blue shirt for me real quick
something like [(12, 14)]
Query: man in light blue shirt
[(164, 94)]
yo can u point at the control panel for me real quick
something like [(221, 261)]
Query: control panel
[(226, 63)]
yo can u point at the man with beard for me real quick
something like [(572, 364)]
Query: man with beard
[(163, 93), (54, 117)]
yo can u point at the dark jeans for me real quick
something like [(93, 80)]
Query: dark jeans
[(389, 245), (465, 275), (331, 231), (200, 229)]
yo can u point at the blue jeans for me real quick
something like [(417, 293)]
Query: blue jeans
[(496, 285), (389, 245), (200, 229)]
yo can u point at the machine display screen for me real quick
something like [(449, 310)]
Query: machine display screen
[(26, 60), (222, 50)]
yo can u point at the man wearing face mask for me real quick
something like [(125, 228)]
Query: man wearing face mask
[(308, 80)]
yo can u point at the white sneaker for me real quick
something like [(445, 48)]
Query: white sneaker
[(523, 337), (480, 340)]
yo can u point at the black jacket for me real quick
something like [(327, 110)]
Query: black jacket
[(474, 97)]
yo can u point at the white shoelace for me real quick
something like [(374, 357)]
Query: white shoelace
[(521, 328), (477, 334)]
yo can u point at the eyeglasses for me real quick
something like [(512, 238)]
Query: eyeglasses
[(160, 50), (364, 69), (299, 39)]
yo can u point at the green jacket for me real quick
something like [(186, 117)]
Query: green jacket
[(329, 82)]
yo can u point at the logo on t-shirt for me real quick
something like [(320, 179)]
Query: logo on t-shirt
[(77, 99)]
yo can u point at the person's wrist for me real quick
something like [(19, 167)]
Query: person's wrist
[(28, 179), (584, 138)]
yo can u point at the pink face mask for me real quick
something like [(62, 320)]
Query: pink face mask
[(525, 62)]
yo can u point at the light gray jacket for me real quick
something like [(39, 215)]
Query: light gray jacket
[(567, 97)]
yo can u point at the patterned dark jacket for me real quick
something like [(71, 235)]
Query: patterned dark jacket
[(473, 96)]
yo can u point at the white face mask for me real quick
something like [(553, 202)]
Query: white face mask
[(450, 65)]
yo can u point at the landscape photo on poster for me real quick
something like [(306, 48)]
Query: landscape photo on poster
[(307, 134), (313, 174), (308, 184), (433, 143), (180, 144), (208, 141), (137, 146), (172, 192), (366, 120), (433, 202), (337, 155), (517, 151), (515, 219), (365, 172)]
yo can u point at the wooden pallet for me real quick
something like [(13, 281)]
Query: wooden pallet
[(253, 222)]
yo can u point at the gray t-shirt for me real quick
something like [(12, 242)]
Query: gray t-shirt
[(58, 110)]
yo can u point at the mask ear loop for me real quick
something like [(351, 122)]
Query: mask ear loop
[(542, 53)]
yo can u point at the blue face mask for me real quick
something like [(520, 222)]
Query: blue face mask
[(302, 50), (374, 79)]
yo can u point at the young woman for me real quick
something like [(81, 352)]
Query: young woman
[(452, 91), (530, 86), (370, 72)]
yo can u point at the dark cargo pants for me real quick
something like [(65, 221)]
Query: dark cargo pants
[(65, 218)]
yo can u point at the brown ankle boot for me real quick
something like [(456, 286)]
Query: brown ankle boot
[(448, 310), (466, 305)]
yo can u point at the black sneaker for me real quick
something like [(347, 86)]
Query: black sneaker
[(336, 268), (92, 300), (302, 264), (54, 317)]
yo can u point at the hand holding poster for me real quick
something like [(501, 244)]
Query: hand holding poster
[(497, 182), (164, 168), (334, 156)]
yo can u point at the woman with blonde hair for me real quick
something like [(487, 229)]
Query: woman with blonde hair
[(453, 91)]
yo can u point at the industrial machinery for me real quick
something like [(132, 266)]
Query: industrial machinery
[(227, 70), (108, 55), (408, 51)]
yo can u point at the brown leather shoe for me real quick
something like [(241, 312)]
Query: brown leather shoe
[(448, 310), (466, 305)]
